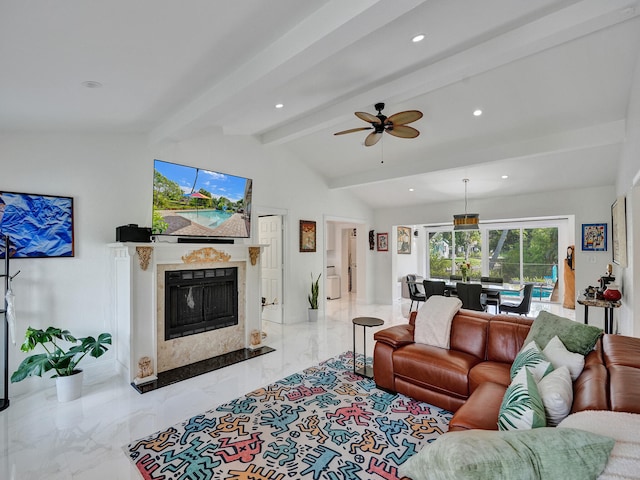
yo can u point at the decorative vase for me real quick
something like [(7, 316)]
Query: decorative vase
[(313, 314), (69, 387), (612, 293)]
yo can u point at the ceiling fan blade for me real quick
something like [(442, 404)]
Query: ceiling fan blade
[(372, 139), (351, 130), (367, 117), (403, 131), (402, 118)]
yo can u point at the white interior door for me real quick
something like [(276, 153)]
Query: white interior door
[(270, 234), (353, 264)]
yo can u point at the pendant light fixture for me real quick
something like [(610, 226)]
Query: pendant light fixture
[(466, 221)]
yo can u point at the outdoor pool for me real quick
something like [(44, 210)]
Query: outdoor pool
[(539, 293), (208, 218)]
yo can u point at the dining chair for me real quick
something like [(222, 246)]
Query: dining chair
[(433, 287), (471, 296), (523, 307), (414, 292), (493, 298)]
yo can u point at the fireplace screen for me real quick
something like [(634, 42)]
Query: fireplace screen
[(197, 301)]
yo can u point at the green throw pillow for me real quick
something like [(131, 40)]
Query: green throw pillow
[(576, 337), (547, 453), (522, 407), (531, 357)]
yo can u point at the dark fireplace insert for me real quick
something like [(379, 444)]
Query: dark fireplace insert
[(197, 301)]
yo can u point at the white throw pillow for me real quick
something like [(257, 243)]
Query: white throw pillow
[(558, 355), (433, 321), (556, 390)]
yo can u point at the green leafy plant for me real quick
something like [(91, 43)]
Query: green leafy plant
[(315, 290), (63, 361)]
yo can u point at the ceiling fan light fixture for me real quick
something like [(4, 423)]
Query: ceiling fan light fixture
[(466, 221)]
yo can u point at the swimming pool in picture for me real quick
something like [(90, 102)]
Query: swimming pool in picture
[(538, 293), (208, 218)]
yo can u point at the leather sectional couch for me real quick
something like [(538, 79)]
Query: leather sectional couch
[(471, 377)]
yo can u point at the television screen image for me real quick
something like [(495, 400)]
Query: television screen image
[(194, 202)]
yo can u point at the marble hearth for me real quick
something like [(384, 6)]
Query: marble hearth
[(139, 272)]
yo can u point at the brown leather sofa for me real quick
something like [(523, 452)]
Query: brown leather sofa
[(471, 377)]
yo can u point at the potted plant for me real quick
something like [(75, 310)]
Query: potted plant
[(64, 361), (313, 298)]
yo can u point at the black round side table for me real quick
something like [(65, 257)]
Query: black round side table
[(364, 322)]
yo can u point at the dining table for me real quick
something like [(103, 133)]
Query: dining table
[(450, 286)]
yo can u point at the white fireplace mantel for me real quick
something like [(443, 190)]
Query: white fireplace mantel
[(136, 285)]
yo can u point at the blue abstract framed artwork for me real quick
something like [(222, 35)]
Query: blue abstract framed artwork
[(594, 237), (37, 225)]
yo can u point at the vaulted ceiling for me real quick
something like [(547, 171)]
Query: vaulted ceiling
[(552, 78)]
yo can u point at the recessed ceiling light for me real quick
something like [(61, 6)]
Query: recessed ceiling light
[(411, 189), (279, 105), (477, 112), (91, 84), (418, 38), (504, 177)]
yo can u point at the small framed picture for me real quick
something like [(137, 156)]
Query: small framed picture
[(383, 242), (594, 237), (404, 240), (307, 236)]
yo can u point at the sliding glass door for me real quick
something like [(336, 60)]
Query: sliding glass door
[(517, 252)]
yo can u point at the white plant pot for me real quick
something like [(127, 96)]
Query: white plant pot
[(69, 387), (313, 314)]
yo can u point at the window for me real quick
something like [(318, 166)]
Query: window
[(518, 252)]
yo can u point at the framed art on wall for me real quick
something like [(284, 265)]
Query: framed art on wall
[(619, 232), (383, 242), (37, 225), (594, 237), (307, 236), (404, 240)]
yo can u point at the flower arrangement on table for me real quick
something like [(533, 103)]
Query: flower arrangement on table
[(464, 268)]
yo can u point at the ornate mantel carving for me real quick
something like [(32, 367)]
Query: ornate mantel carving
[(206, 255), (144, 256), (254, 254)]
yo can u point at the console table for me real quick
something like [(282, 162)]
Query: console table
[(608, 306)]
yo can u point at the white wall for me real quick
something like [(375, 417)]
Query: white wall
[(628, 186), (588, 205), (110, 178), (110, 182)]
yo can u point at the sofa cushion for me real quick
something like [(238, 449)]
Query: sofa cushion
[(556, 391), (506, 337), (469, 333), (621, 350), (495, 372), (437, 368), (624, 388), (561, 453), (559, 356), (577, 337), (481, 409), (522, 407), (532, 358), (433, 321), (590, 390)]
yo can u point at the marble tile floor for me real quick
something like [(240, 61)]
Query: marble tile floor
[(41, 438)]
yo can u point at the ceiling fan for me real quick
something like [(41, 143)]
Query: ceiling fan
[(395, 125)]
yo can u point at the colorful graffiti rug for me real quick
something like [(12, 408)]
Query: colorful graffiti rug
[(322, 423)]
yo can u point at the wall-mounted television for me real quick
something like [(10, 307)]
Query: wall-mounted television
[(195, 202)]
